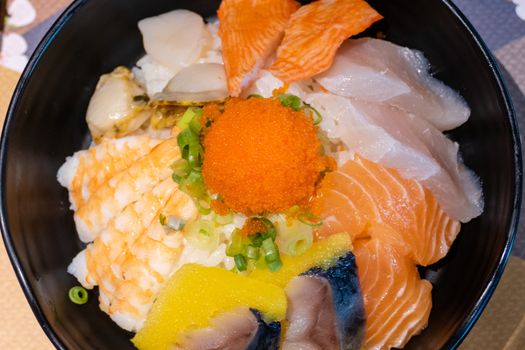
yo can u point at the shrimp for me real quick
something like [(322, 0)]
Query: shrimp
[(84, 172), (134, 255), (125, 188)]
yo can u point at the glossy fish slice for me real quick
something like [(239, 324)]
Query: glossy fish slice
[(314, 34), (362, 193), (250, 31), (325, 308), (397, 301)]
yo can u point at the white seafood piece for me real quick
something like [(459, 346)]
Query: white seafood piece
[(86, 170), (114, 110), (152, 75), (175, 39), (378, 71), (201, 82), (125, 188), (135, 255), (396, 139), (266, 83)]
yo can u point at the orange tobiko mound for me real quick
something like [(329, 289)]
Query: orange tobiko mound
[(260, 156)]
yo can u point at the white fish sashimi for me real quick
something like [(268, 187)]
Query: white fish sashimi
[(175, 39), (378, 71), (395, 139)]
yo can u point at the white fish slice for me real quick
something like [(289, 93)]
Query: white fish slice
[(395, 139), (378, 71)]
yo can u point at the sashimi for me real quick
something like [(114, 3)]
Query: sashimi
[(378, 71), (397, 301), (395, 139), (361, 193), (250, 31), (314, 34)]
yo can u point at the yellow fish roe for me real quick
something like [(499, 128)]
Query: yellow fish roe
[(322, 254), (195, 294)]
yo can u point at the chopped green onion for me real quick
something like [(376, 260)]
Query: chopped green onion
[(271, 253), (313, 113), (194, 185), (181, 168), (236, 245), (195, 125), (251, 252), (310, 219), (188, 116), (270, 227), (295, 237), (174, 223), (275, 265), (257, 239), (195, 155), (224, 219), (202, 234), (240, 262), (162, 219), (185, 139), (204, 206), (290, 101), (78, 295)]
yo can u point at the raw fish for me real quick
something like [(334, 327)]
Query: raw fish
[(395, 139), (250, 31), (314, 34), (378, 71), (325, 308), (397, 301), (241, 329), (361, 193)]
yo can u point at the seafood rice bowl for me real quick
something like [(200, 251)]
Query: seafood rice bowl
[(268, 178)]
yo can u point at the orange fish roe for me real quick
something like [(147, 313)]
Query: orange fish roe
[(252, 226), (261, 156)]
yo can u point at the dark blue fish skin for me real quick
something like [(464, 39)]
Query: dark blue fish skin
[(347, 300), (268, 336)]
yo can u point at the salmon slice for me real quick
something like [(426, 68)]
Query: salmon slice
[(397, 301), (314, 34), (362, 193), (250, 31)]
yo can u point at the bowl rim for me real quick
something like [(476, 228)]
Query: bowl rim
[(460, 333)]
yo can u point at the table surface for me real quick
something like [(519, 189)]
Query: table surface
[(501, 24)]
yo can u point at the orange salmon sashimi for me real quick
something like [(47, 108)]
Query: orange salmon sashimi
[(361, 193), (397, 301), (250, 31), (314, 34)]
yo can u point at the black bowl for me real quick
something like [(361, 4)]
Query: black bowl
[(45, 123)]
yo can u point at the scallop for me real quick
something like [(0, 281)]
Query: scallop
[(118, 105), (198, 83), (175, 39)]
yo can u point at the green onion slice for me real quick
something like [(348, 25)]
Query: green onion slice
[(275, 265), (251, 252), (188, 116), (271, 253), (290, 101), (181, 168), (78, 295), (240, 262), (310, 219), (317, 118)]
